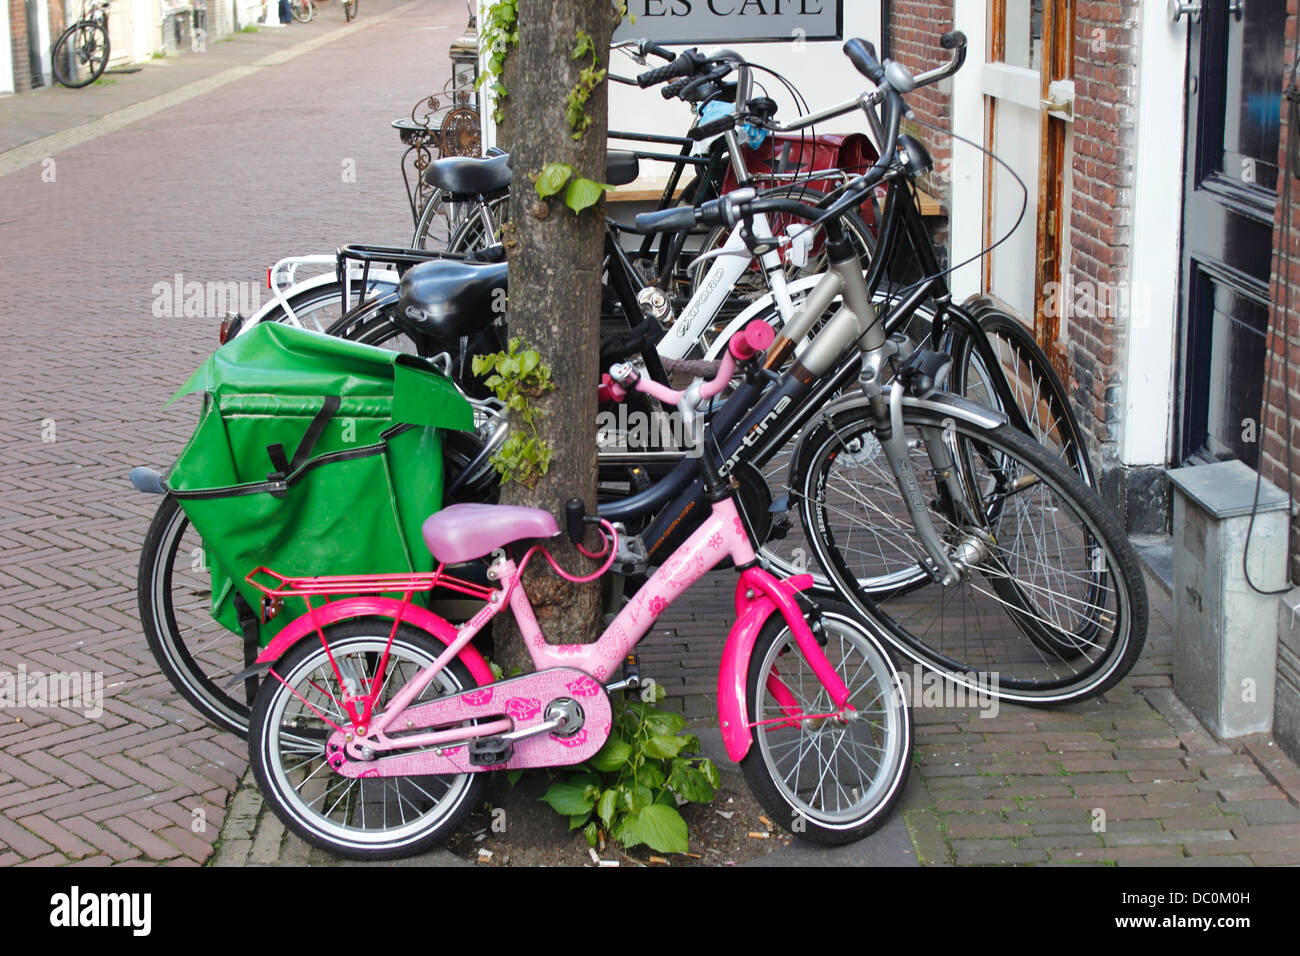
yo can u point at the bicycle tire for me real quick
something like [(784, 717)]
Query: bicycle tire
[(303, 10), (1059, 646), (1037, 389), (868, 756), (84, 46), (195, 653), (290, 724)]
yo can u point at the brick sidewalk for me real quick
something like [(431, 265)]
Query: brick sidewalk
[(215, 189), (1128, 779)]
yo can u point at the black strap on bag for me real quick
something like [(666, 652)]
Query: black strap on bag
[(248, 627), (282, 465)]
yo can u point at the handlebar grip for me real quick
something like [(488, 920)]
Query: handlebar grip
[(863, 56), (751, 340), (651, 47), (675, 87), (953, 40), (666, 220), (712, 127), (683, 65)]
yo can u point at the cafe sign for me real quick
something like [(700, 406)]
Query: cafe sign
[(731, 21)]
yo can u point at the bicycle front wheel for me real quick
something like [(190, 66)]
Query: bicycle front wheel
[(829, 779), (1051, 606), (303, 10), (299, 707), (80, 55)]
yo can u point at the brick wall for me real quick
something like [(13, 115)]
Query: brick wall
[(1099, 253), (914, 30), (1276, 440), (18, 45)]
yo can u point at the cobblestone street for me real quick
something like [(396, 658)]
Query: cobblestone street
[(282, 145)]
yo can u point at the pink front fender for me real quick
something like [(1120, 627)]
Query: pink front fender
[(751, 614), (374, 607)]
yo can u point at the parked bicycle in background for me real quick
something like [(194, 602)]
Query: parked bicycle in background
[(81, 52)]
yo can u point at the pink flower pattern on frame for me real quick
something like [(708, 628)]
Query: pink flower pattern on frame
[(522, 708), (583, 687)]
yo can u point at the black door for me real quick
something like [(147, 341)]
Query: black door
[(1230, 190)]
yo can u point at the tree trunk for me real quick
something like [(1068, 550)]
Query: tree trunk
[(555, 276)]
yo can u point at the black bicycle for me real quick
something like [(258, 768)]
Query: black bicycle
[(81, 53)]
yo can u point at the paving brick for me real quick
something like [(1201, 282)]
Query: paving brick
[(994, 852), (21, 839)]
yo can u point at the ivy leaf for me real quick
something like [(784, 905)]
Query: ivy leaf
[(691, 785), (607, 806), (611, 756), (710, 773), (664, 721), (578, 820), (552, 178), (570, 797), (583, 193), (664, 747), (662, 828), (591, 833), (585, 45)]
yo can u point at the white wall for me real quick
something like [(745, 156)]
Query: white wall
[(1151, 344), (966, 222), (6, 53)]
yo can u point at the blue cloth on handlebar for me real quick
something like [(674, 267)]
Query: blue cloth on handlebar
[(718, 109)]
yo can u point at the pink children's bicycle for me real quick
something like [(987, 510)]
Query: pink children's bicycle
[(371, 735)]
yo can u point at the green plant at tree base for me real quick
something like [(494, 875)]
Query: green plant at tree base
[(630, 790), (498, 35), (518, 378)]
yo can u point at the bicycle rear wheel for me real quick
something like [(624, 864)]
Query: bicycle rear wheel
[(1051, 606), (361, 818), (1031, 380)]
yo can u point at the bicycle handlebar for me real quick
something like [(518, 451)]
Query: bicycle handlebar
[(684, 65)]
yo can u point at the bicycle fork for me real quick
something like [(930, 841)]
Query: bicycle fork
[(887, 410)]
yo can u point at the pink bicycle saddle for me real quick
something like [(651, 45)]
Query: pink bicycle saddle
[(461, 533)]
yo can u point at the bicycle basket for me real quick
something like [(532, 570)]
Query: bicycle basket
[(313, 455)]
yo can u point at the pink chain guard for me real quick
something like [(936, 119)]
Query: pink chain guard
[(524, 700)]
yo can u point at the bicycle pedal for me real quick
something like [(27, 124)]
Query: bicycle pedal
[(632, 668), (489, 751)]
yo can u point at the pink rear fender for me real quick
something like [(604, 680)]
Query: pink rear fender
[(352, 608), (751, 614)]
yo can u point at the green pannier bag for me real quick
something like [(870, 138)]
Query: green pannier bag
[(313, 455)]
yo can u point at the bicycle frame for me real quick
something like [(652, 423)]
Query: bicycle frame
[(723, 536)]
